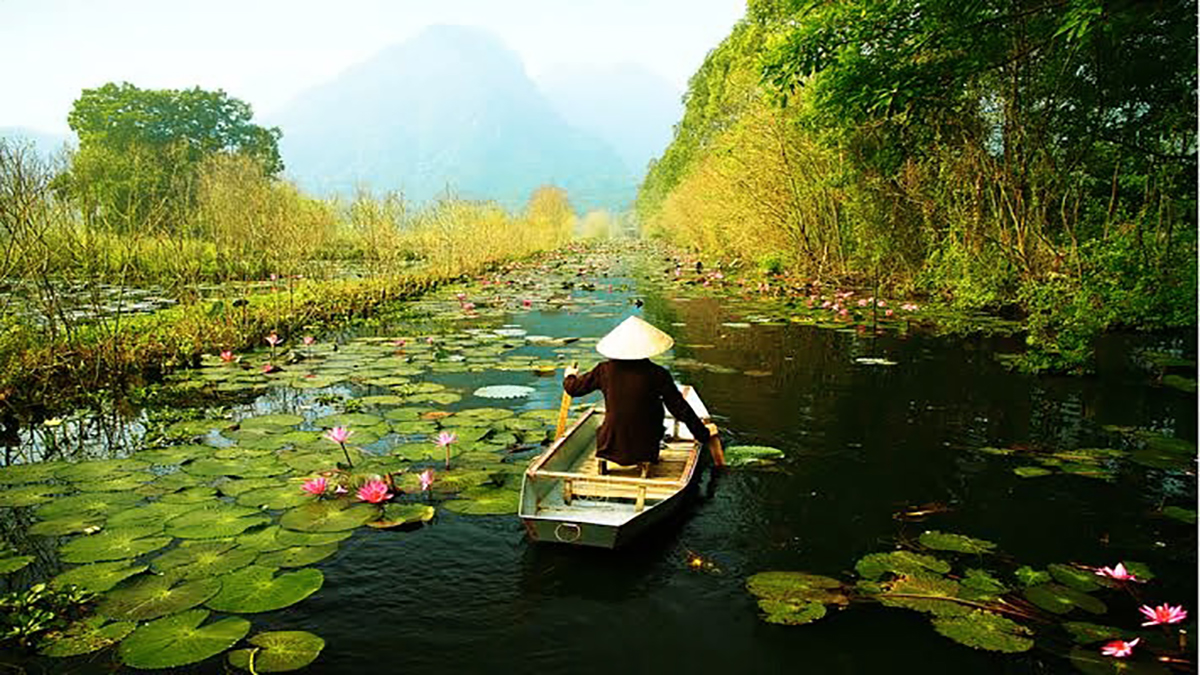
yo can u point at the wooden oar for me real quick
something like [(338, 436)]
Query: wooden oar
[(561, 427), (714, 446)]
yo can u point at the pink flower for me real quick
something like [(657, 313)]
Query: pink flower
[(862, 302), (268, 368), (1119, 573), (468, 306), (339, 435), (227, 356), (315, 486), (460, 296), (274, 277), (844, 312), (400, 343), (374, 491), (883, 303), (426, 479), (527, 303), (446, 438), (909, 307), (273, 339), (1164, 613), (429, 339), (889, 312), (308, 340), (1119, 648)]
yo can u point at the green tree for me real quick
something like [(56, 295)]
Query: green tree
[(140, 151)]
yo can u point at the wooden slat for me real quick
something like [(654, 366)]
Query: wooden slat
[(582, 489), (649, 482)]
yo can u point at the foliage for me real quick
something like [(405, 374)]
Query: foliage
[(25, 616)]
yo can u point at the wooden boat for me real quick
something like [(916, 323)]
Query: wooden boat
[(565, 497)]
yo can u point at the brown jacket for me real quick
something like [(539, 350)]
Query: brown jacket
[(634, 395)]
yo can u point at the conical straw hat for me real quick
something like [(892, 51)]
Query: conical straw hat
[(634, 339)]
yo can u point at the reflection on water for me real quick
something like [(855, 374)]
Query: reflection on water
[(862, 443)]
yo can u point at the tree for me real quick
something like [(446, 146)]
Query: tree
[(140, 151)]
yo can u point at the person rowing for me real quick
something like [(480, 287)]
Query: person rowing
[(635, 391)]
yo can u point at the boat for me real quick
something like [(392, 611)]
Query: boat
[(568, 497)]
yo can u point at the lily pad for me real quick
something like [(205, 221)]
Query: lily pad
[(216, 521), (504, 391), (276, 498), (152, 514), (94, 502), (98, 577), (204, 559), (396, 515), (292, 538), (150, 597), (1032, 471), (116, 544), (257, 589), (980, 585), (748, 455), (925, 594), (278, 652), (271, 422), (795, 588), (73, 523), (12, 563), (180, 639), (29, 473), (981, 629), (791, 613), (351, 420), (1080, 580), (485, 501), (875, 565), (1087, 633), (947, 541), (194, 495), (30, 495), (296, 556), (1181, 514), (87, 636), (328, 516), (1061, 599), (1031, 577), (1092, 662)]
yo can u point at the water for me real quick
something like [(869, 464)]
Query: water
[(863, 444)]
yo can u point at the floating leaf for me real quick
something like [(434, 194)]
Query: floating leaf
[(152, 514), (1031, 577), (74, 523), (1138, 569), (29, 495), (979, 585), (746, 455), (296, 556), (946, 541), (99, 469), (1080, 580), (1087, 633), (981, 629), (12, 563), (1061, 599), (150, 597), (257, 589), (352, 420), (486, 501), (328, 516), (396, 515), (790, 613), (875, 565), (925, 594), (1031, 471), (98, 577), (292, 538), (796, 588), (278, 651), (504, 391), (277, 498), (115, 544), (203, 559), (179, 640), (177, 454), (93, 502), (1181, 514), (87, 636), (271, 422), (29, 473), (193, 495), (214, 522)]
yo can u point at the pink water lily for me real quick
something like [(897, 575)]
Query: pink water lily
[(426, 478), (1119, 573), (339, 435), (444, 440), (273, 339), (374, 491), (527, 303), (228, 357), (1119, 648), (468, 306), (1163, 614), (308, 340), (316, 486)]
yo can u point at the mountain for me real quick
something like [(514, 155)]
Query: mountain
[(631, 108), (450, 109)]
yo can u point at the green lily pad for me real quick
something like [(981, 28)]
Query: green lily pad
[(173, 455), (396, 515), (1061, 599), (1181, 514), (791, 613), (1080, 580), (259, 467), (946, 541), (278, 652), (980, 585), (352, 420), (204, 559), (30, 495), (981, 629), (1031, 471), (98, 469), (1031, 577), (215, 521), (152, 514), (293, 538), (1087, 633), (29, 473), (193, 428), (749, 455), (115, 544), (115, 483), (1139, 569), (277, 498), (200, 494), (485, 500), (73, 523), (875, 565), (257, 589), (180, 639), (296, 556), (12, 563), (796, 589), (415, 427), (149, 597), (925, 594), (1180, 382), (328, 515), (87, 636), (95, 502), (238, 486), (271, 422), (98, 577)]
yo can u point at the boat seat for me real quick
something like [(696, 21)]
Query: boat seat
[(606, 467)]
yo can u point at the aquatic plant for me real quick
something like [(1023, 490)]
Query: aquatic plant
[(340, 435), (1119, 648), (426, 477), (444, 440), (1118, 572), (315, 486), (374, 492), (1163, 614), (26, 616)]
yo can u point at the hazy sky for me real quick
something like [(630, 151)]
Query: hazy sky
[(266, 51)]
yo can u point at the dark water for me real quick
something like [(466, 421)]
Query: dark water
[(471, 595)]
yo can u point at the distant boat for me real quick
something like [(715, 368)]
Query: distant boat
[(565, 498)]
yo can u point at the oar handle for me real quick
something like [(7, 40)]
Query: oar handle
[(561, 427), (714, 446)]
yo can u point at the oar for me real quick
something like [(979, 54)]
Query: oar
[(561, 427), (714, 446)]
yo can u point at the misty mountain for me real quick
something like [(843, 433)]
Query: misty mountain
[(452, 108), (629, 107)]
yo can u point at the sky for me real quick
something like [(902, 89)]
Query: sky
[(267, 51)]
